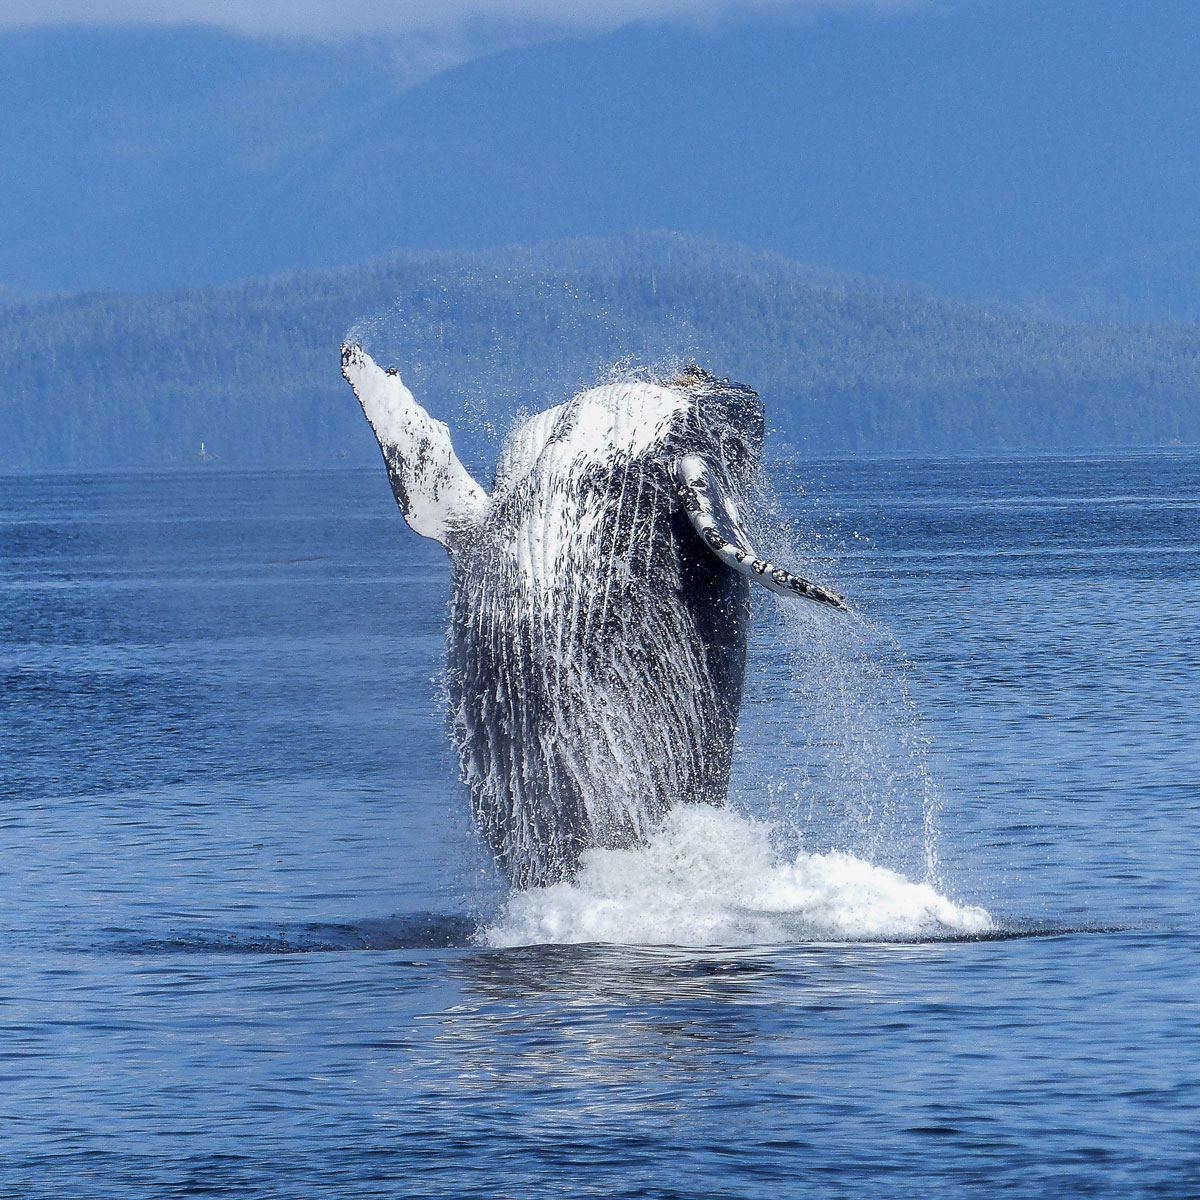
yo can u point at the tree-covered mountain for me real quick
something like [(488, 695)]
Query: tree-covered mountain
[(842, 364)]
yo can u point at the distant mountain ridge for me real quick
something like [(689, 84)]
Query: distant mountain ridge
[(252, 369), (1017, 148)]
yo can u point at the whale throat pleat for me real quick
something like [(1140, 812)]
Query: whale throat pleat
[(585, 630)]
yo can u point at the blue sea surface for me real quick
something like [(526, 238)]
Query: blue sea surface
[(243, 915)]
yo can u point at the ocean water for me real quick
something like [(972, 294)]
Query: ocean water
[(943, 943)]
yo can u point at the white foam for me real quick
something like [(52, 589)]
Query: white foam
[(709, 876)]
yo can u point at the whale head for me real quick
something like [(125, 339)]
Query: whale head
[(724, 424), (694, 439), (644, 425), (718, 452)]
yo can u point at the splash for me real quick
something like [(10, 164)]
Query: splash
[(832, 746), (831, 830), (830, 753), (710, 876)]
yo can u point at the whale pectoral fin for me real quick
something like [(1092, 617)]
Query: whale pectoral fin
[(713, 513), (436, 494)]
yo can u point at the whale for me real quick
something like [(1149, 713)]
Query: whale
[(599, 604)]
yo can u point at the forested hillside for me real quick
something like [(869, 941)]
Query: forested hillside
[(842, 364)]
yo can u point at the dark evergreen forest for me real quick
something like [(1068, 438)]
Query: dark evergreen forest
[(843, 364)]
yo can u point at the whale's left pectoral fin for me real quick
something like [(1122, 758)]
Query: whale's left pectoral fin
[(435, 492), (714, 514)]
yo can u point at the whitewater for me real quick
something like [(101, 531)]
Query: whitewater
[(712, 877)]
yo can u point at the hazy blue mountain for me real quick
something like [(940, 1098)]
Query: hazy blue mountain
[(252, 369), (988, 147)]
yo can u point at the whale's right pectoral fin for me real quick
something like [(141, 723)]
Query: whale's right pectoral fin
[(715, 517), (436, 494)]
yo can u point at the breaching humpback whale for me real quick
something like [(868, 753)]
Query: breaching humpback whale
[(600, 600)]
